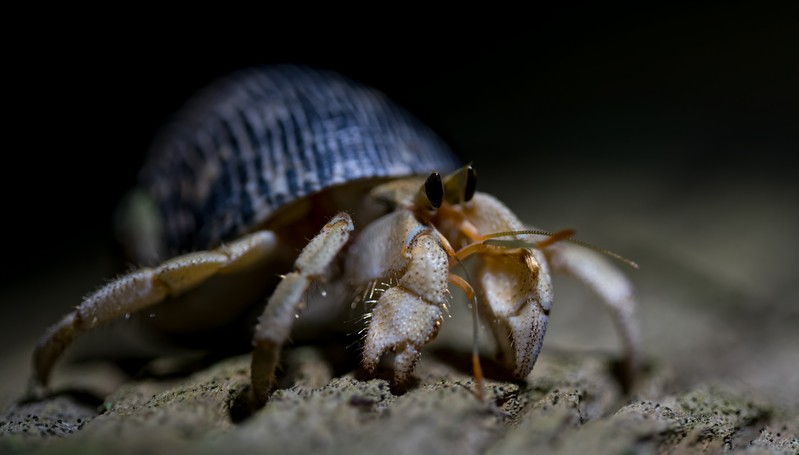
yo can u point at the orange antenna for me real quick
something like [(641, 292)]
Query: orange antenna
[(466, 286), (564, 235)]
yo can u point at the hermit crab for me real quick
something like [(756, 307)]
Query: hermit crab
[(276, 179)]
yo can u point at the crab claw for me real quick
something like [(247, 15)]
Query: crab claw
[(515, 295), (402, 322), (408, 314)]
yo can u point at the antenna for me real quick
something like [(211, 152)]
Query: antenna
[(563, 235)]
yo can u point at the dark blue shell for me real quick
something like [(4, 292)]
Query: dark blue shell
[(263, 137)]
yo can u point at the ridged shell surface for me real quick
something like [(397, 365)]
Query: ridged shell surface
[(263, 137)]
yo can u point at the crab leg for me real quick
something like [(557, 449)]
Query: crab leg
[(467, 289), (610, 285), (274, 325), (144, 288)]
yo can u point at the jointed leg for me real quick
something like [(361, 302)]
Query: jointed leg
[(274, 325), (477, 369), (613, 288), (143, 288)]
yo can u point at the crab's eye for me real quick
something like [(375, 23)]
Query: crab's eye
[(471, 183), (431, 194), (434, 190), (459, 186)]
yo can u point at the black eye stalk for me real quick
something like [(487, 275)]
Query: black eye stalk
[(459, 186), (456, 188), (432, 193)]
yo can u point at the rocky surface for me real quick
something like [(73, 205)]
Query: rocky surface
[(572, 404)]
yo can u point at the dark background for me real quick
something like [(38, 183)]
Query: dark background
[(669, 90)]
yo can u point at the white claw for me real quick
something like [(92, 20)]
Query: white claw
[(408, 312)]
